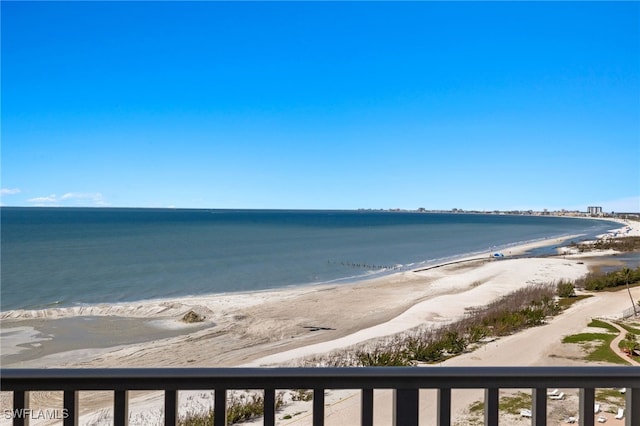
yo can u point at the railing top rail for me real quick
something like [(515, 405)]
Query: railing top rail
[(328, 378)]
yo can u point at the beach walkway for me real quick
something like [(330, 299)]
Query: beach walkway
[(614, 344)]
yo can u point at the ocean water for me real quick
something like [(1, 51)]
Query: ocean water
[(67, 257)]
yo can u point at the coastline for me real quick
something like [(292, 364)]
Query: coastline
[(259, 324), (165, 306), (278, 327), (35, 332)]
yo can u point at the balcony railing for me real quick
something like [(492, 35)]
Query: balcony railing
[(405, 381)]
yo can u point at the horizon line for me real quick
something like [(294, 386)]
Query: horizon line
[(365, 209)]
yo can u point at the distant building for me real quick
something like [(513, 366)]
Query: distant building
[(594, 210)]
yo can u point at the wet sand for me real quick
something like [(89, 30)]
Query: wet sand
[(27, 340)]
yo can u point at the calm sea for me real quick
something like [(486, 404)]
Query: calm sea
[(66, 257)]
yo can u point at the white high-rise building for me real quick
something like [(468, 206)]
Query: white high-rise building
[(594, 210)]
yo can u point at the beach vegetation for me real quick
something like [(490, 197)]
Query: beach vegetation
[(424, 350), (192, 316), (630, 328), (383, 357), (566, 302), (596, 323), (566, 289), (512, 404), (623, 244), (302, 395), (626, 275), (584, 337), (629, 344), (239, 409), (597, 344), (290, 416), (610, 396), (526, 307), (477, 407), (610, 280), (453, 342)]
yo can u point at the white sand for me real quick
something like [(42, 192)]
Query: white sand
[(476, 285)]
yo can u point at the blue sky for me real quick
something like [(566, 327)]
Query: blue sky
[(505, 105)]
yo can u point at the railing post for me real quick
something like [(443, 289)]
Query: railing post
[(491, 401), (318, 407), (70, 405), (269, 407), (170, 407), (539, 407), (20, 405), (220, 407), (366, 408), (406, 407), (587, 402), (121, 408), (632, 407), (444, 407)]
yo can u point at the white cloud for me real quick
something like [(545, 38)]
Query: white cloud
[(39, 201), (70, 199), (9, 191), (96, 198)]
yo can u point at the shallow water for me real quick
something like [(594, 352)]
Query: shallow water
[(27, 340)]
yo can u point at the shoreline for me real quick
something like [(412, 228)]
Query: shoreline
[(160, 305), (131, 308), (258, 324), (38, 335), (273, 327)]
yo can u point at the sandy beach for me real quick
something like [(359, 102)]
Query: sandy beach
[(247, 328), (280, 327)]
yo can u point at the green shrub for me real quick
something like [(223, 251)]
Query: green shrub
[(599, 281), (239, 409), (383, 358), (565, 289), (453, 342), (624, 244), (425, 350)]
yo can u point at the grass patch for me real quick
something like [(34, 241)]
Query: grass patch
[(599, 345), (567, 302), (477, 407), (604, 353), (585, 338), (610, 396), (629, 328), (508, 404), (602, 324), (513, 404)]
